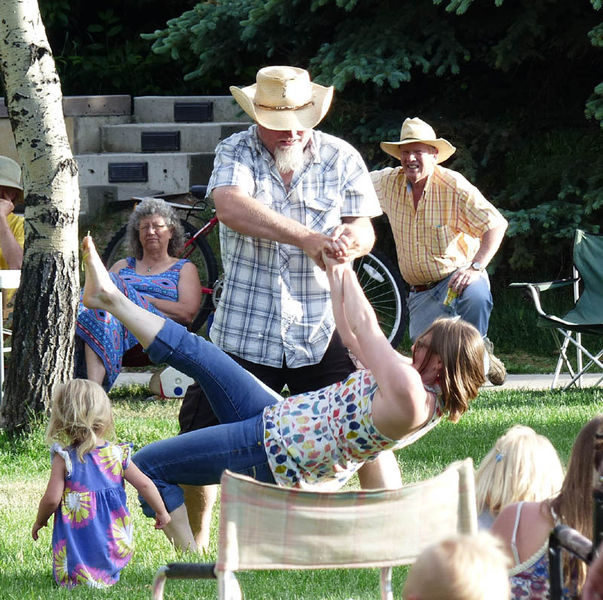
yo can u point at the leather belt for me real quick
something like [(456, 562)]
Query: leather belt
[(423, 288)]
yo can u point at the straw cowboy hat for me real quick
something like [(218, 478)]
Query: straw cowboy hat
[(416, 130), (284, 98)]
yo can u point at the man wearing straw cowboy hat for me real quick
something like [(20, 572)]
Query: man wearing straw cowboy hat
[(445, 231), (284, 192), (11, 225)]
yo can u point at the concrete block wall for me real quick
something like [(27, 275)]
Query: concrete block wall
[(106, 133)]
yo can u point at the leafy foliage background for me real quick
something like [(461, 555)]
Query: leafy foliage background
[(514, 84)]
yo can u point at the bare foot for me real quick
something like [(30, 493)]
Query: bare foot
[(99, 289)]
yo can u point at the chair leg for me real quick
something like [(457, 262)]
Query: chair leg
[(387, 592), (563, 357), (576, 375), (228, 586)]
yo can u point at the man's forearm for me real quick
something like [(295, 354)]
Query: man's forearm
[(490, 244), (246, 215)]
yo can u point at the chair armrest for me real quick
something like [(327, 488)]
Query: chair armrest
[(544, 286), (576, 544)]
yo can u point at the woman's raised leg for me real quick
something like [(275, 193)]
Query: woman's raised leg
[(234, 393), (100, 292)]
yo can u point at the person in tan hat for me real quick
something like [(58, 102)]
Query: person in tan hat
[(11, 225), (284, 193), (445, 231)]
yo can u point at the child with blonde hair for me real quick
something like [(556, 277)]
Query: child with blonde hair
[(462, 567), (521, 466), (92, 534)]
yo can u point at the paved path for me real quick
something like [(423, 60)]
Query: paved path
[(527, 382)]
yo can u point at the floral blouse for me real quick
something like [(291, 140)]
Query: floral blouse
[(328, 434)]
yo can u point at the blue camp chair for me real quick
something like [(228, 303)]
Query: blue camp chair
[(586, 316)]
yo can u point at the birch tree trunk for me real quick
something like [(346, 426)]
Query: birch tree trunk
[(46, 302)]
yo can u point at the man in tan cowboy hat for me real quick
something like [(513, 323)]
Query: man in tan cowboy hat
[(284, 192), (445, 231), (11, 226)]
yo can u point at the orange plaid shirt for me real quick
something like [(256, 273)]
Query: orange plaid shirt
[(444, 232)]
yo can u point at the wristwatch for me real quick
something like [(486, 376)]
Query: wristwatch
[(476, 266)]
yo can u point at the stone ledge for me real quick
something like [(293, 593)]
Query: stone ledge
[(89, 106)]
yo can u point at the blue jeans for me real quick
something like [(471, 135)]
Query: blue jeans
[(238, 400), (474, 305)]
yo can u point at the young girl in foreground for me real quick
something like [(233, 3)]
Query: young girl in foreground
[(92, 534), (322, 436)]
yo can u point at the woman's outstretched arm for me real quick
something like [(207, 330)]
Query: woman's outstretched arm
[(401, 404), (100, 292)]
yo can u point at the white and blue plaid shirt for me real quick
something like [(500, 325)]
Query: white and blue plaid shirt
[(276, 303)]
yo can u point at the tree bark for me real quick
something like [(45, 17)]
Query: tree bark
[(46, 302)]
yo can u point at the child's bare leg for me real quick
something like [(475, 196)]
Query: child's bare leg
[(100, 292)]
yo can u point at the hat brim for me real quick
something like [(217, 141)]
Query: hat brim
[(280, 120), (444, 147)]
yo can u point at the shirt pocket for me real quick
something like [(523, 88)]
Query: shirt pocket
[(441, 238), (264, 193), (321, 213)]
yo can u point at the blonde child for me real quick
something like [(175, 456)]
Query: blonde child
[(522, 465), (92, 533), (462, 567)]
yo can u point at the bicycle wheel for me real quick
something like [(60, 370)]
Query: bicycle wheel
[(202, 257), (384, 288)]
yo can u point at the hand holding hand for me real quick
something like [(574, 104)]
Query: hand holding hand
[(162, 519)]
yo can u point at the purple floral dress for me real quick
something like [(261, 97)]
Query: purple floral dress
[(107, 336), (92, 537)]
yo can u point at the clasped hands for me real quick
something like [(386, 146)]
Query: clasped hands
[(338, 247)]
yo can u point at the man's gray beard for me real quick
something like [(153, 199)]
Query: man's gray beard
[(289, 159)]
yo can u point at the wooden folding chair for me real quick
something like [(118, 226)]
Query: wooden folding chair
[(266, 527)]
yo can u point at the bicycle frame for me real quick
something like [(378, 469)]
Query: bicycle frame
[(189, 248)]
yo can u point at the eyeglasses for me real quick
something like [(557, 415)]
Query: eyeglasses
[(153, 226)]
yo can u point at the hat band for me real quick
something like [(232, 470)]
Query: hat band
[(266, 107)]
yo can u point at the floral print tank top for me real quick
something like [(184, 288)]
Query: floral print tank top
[(328, 434)]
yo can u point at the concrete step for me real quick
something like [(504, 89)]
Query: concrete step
[(161, 109), (168, 173), (163, 137)]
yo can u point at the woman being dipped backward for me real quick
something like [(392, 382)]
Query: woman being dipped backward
[(312, 438)]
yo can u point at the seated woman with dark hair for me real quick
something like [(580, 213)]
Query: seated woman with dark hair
[(525, 527), (153, 278), (317, 437)]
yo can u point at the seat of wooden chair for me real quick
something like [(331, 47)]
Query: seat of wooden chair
[(264, 527)]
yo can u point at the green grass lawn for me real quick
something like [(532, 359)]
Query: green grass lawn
[(24, 468)]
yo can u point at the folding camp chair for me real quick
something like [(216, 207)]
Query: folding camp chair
[(586, 316), (264, 526), (566, 538)]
